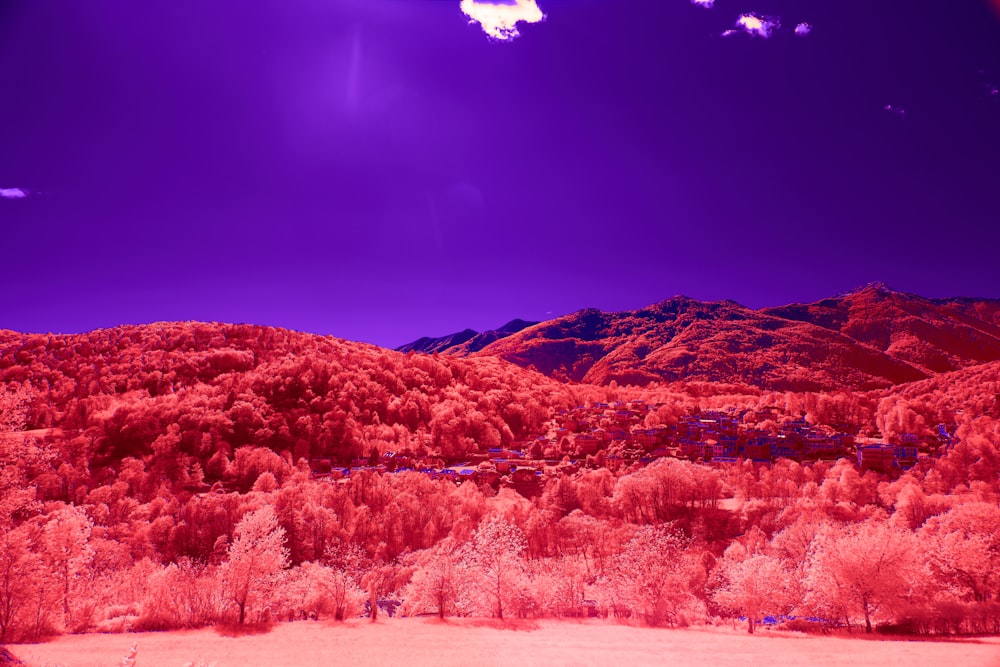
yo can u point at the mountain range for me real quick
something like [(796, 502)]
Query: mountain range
[(869, 338)]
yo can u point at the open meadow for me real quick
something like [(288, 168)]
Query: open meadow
[(426, 642)]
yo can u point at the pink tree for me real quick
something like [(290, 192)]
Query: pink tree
[(866, 569), (20, 577), (494, 566), (434, 584), (321, 591), (347, 565), (964, 550), (652, 578), (68, 554), (180, 595), (257, 558), (755, 586)]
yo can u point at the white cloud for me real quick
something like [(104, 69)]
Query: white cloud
[(803, 29), (892, 108), (754, 25), (499, 18), (13, 193), (707, 4)]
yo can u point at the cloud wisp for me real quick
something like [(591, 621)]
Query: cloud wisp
[(13, 193), (803, 29), (499, 18), (753, 25), (707, 4)]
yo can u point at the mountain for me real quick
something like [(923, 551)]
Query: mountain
[(429, 345), (936, 335), (869, 338), (464, 342)]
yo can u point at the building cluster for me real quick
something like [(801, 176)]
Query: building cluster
[(616, 435), (622, 430)]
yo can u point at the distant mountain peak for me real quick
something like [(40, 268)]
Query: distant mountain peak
[(465, 342), (877, 287), (515, 325)]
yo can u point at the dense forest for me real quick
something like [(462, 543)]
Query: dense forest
[(164, 476)]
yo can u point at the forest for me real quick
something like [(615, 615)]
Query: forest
[(162, 476)]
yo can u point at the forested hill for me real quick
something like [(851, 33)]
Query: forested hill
[(184, 396)]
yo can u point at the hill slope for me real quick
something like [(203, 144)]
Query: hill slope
[(174, 395)]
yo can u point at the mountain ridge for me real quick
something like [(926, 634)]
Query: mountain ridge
[(870, 337), (465, 341)]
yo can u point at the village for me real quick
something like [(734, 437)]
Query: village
[(616, 436)]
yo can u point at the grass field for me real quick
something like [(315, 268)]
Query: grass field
[(425, 642)]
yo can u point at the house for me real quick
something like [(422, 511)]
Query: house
[(617, 433), (586, 443), (725, 448), (526, 480), (690, 449), (820, 446), (906, 455), (879, 457), (648, 438), (757, 450)]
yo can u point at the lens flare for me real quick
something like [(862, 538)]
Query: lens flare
[(499, 18)]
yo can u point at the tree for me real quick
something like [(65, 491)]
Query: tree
[(434, 584), (964, 550), (179, 595), (257, 557), (19, 455), (346, 562), (558, 586), (494, 567), (864, 569), (68, 554), (652, 578), (323, 590), (20, 577), (755, 586), (379, 580)]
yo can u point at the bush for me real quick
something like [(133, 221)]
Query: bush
[(804, 625)]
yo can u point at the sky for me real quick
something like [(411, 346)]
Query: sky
[(381, 170)]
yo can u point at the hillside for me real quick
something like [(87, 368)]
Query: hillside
[(867, 339), (179, 475), (180, 395)]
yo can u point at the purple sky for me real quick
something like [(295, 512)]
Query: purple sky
[(379, 170)]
